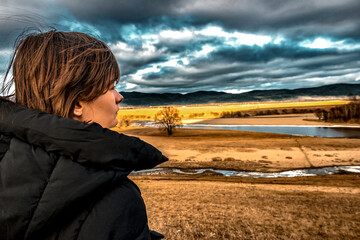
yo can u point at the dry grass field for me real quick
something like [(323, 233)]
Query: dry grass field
[(249, 151), (219, 208), (207, 206)]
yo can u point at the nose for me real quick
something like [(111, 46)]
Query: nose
[(118, 97)]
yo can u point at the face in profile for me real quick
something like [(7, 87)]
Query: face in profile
[(102, 110)]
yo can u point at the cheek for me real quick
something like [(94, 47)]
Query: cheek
[(104, 101), (109, 104), (105, 105)]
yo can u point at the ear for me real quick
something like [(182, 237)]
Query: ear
[(78, 109)]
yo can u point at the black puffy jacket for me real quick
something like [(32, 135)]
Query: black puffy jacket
[(64, 179)]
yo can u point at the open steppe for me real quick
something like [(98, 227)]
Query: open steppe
[(217, 207), (194, 207), (249, 151)]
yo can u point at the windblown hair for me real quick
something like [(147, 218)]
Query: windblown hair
[(54, 70)]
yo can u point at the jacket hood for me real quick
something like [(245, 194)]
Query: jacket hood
[(85, 143)]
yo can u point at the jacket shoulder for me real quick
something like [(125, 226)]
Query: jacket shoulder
[(24, 174), (4, 145)]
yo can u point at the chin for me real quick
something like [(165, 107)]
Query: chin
[(114, 124)]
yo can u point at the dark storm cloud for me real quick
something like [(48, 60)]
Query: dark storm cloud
[(267, 53), (344, 60), (128, 67), (190, 45), (220, 70), (292, 17), (123, 11)]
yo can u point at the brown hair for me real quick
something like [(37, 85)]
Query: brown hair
[(53, 70)]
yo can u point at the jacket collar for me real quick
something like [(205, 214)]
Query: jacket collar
[(82, 142)]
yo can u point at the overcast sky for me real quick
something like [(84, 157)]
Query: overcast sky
[(220, 45)]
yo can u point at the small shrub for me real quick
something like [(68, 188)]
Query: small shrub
[(216, 159)]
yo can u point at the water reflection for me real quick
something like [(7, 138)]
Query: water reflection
[(314, 131)]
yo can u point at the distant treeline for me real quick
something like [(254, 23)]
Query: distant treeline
[(345, 113), (245, 114)]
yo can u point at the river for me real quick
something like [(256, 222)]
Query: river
[(339, 131), (232, 173), (314, 131)]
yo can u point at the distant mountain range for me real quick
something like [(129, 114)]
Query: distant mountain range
[(201, 97)]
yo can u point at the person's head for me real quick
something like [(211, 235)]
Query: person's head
[(67, 73)]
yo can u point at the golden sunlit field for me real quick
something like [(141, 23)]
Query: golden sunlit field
[(206, 111), (209, 206)]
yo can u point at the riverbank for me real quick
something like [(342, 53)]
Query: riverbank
[(289, 119)]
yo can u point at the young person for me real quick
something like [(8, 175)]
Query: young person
[(63, 174)]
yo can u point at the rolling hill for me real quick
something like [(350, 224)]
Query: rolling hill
[(201, 97)]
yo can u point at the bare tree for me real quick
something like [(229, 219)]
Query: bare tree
[(124, 121), (168, 119)]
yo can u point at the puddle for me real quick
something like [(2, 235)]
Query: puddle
[(231, 173)]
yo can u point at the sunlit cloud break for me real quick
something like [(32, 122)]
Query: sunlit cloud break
[(323, 43), (197, 47)]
